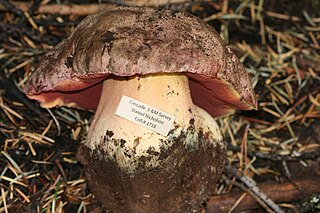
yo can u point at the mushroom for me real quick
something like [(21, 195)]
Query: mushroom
[(170, 62)]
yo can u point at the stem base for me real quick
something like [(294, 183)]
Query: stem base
[(182, 182)]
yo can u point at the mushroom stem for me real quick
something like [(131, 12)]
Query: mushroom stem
[(133, 169), (122, 138)]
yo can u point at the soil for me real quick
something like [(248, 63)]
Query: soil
[(182, 182)]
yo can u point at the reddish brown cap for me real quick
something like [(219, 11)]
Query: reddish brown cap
[(126, 41)]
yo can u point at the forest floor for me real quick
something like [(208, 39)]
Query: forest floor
[(273, 151)]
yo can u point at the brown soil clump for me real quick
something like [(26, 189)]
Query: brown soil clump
[(182, 183)]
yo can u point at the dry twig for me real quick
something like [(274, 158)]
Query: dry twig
[(289, 191), (87, 9)]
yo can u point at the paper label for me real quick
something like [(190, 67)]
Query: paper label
[(145, 115)]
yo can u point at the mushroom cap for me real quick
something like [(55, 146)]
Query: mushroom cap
[(127, 41)]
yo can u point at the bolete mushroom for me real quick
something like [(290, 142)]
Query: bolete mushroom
[(168, 66)]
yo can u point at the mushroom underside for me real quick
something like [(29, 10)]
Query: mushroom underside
[(215, 96)]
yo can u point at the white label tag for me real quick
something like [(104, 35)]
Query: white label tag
[(145, 115)]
